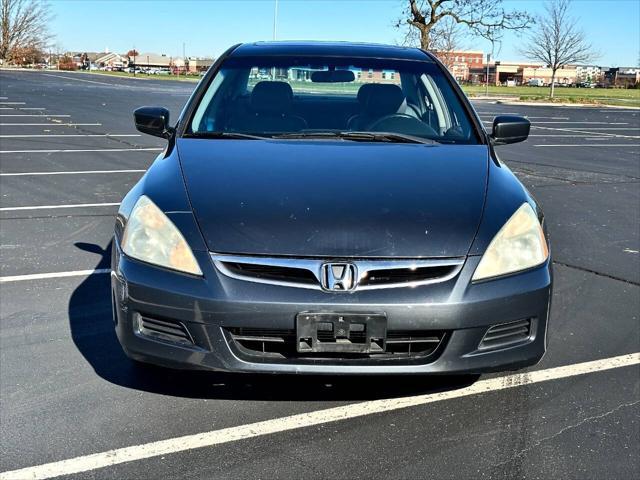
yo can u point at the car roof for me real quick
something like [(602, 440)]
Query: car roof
[(330, 49)]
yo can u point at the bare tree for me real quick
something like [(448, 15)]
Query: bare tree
[(557, 41), (483, 18), (23, 27), (446, 40)]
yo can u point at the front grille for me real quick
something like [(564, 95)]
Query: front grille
[(306, 272), (406, 275), (271, 272), (279, 345), (505, 334), (165, 330)]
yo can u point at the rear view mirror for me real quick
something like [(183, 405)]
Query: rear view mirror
[(332, 76), (510, 129), (153, 121)]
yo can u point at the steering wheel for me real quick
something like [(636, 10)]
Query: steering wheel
[(402, 123)]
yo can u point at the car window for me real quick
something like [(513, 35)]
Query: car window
[(271, 96)]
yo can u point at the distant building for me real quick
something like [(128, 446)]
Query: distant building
[(588, 73), (199, 64), (566, 75), (154, 60), (83, 60), (623, 77), (460, 63), (112, 60), (520, 73)]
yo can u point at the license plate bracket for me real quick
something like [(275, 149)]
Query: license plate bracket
[(341, 332)]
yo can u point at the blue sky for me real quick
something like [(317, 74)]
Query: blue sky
[(208, 27)]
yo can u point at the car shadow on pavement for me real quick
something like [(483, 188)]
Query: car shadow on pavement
[(92, 331)]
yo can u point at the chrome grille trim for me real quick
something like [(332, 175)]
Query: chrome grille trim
[(314, 265)]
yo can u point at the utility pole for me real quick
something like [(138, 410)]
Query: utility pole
[(275, 20)]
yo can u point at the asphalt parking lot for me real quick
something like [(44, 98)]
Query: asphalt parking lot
[(68, 154)]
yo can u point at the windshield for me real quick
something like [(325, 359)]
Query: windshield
[(293, 98)]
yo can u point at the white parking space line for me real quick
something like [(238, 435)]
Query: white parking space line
[(303, 420), (50, 124), (87, 150), (590, 133), (22, 108), (636, 129), (78, 172), (573, 136), (32, 115), (42, 276), (89, 81), (575, 123), (55, 207), (12, 103), (38, 135), (552, 118), (608, 145)]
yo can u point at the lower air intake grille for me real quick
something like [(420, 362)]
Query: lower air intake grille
[(505, 334), (275, 345), (165, 330)]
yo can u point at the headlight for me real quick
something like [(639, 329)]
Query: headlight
[(519, 245), (151, 237)]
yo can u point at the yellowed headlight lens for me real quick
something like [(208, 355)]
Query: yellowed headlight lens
[(150, 236), (519, 245)]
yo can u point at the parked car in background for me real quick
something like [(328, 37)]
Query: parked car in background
[(536, 82), (314, 223)]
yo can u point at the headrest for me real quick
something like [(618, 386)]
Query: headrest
[(384, 99), (271, 97), (363, 93)]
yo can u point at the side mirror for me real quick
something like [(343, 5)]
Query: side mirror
[(153, 120), (510, 129)]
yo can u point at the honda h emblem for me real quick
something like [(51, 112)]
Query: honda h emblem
[(339, 277)]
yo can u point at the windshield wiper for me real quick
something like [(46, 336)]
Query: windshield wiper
[(390, 137), (223, 135)]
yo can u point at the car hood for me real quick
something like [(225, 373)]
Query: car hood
[(335, 198)]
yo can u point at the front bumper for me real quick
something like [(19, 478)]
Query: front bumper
[(207, 307)]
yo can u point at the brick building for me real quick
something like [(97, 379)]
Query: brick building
[(460, 63)]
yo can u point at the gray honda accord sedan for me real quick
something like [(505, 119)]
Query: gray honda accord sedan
[(333, 208)]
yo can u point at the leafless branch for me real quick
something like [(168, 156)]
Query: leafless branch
[(483, 18), (23, 27), (557, 40)]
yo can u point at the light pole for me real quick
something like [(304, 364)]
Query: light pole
[(184, 59), (275, 33), (486, 86), (275, 20)]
